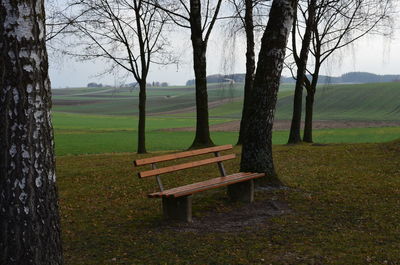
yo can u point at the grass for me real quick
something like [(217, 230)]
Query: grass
[(85, 122), (92, 134), (74, 142), (344, 200)]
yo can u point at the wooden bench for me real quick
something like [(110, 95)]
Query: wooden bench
[(177, 202)]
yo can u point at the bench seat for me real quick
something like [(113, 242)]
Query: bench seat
[(205, 185)]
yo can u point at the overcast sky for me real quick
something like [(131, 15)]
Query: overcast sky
[(371, 54)]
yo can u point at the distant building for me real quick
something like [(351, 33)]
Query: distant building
[(94, 85), (229, 81)]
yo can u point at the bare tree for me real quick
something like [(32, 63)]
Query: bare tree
[(199, 16), (126, 33), (29, 219), (308, 13), (55, 26), (250, 17), (349, 22), (257, 146), (337, 24), (250, 66), (243, 19), (247, 22)]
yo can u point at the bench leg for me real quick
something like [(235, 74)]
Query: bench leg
[(242, 191), (178, 208)]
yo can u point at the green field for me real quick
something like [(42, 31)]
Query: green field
[(334, 102), (101, 120), (87, 134), (352, 102), (366, 102), (123, 102)]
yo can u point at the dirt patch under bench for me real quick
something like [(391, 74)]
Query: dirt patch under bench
[(245, 217)]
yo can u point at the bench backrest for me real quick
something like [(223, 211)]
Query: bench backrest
[(158, 171)]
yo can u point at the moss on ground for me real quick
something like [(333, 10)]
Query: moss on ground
[(344, 201)]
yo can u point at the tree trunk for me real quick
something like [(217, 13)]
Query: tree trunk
[(250, 67), (141, 147), (311, 89), (307, 137), (294, 135), (257, 146), (29, 220), (202, 137), (301, 62)]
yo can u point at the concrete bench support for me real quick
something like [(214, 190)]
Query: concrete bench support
[(178, 208), (242, 191)]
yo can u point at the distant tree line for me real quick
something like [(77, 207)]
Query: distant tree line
[(235, 78), (350, 78), (92, 84), (347, 78), (129, 85), (158, 84)]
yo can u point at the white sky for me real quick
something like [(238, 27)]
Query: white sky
[(371, 54)]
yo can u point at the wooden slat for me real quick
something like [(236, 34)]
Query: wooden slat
[(156, 159), (164, 170), (229, 181), (206, 185), (167, 193)]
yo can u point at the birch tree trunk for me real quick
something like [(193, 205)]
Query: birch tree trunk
[(257, 146), (29, 220)]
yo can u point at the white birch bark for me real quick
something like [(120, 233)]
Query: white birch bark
[(29, 222), (257, 144)]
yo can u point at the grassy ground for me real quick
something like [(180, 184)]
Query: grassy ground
[(344, 201), (98, 123), (79, 134), (92, 134)]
